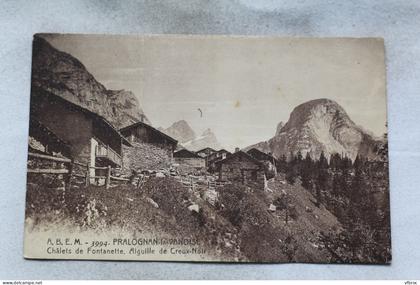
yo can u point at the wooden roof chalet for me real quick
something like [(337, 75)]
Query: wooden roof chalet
[(241, 154), (216, 155), (38, 93), (156, 131), (260, 155), (206, 149), (185, 153), (43, 134)]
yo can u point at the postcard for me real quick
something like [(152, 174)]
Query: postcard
[(208, 148)]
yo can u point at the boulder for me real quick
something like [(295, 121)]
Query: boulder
[(272, 208), (194, 208), (153, 203)]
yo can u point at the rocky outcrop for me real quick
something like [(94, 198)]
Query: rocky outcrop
[(143, 156), (207, 139), (180, 131), (279, 127), (62, 74), (317, 126), (187, 138)]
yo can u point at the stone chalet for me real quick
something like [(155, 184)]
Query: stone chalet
[(141, 132), (241, 168), (270, 163), (205, 152), (186, 157), (82, 135), (216, 156), (262, 156)]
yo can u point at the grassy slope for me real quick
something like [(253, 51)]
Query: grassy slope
[(130, 209), (310, 220), (260, 235)]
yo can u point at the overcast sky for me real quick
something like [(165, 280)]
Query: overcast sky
[(244, 86)]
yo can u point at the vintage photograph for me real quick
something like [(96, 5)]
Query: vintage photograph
[(208, 148)]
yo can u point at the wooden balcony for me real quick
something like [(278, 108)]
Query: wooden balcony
[(104, 152)]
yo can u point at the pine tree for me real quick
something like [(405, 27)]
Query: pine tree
[(299, 157), (298, 163), (282, 164), (335, 161), (306, 172), (291, 174), (322, 177), (318, 195), (345, 177), (358, 163), (382, 150), (361, 217), (365, 218), (357, 187), (336, 184), (323, 162)]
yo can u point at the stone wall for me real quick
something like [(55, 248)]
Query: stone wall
[(242, 172), (193, 162), (145, 156)]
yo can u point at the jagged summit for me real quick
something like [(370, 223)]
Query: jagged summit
[(207, 139), (320, 125), (64, 75), (187, 138), (181, 131), (207, 132), (315, 109), (279, 128)]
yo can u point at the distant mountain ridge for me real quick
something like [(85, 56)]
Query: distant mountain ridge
[(180, 131), (320, 125), (63, 75), (316, 126), (207, 139), (187, 138), (279, 127)]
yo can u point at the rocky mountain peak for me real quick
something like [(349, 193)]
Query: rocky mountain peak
[(279, 127), (186, 136), (207, 139), (181, 124), (317, 110), (208, 132), (320, 125), (62, 74), (181, 131)]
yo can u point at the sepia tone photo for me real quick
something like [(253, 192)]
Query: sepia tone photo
[(208, 148)]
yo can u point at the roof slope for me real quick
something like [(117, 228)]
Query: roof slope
[(206, 148), (186, 154), (138, 124), (255, 151), (236, 154), (36, 92)]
